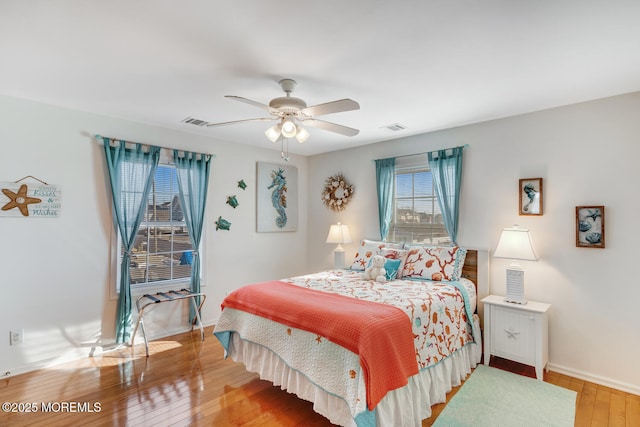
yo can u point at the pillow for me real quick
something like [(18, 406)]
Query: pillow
[(442, 264), (399, 254), (369, 248), (391, 267)]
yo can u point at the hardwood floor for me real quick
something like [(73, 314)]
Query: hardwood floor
[(187, 382)]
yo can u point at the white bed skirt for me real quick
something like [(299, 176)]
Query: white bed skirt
[(406, 406)]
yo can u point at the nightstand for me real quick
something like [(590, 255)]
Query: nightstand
[(518, 332)]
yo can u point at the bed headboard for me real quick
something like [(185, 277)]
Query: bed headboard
[(470, 267)]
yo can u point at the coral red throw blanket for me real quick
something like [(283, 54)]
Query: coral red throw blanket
[(380, 334)]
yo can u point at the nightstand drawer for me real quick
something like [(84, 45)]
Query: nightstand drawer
[(513, 335)]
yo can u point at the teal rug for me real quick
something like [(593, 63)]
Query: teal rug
[(494, 398)]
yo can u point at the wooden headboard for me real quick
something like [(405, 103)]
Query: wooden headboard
[(470, 267)]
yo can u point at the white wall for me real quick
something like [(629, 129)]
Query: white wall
[(55, 272), (587, 154), (55, 278)]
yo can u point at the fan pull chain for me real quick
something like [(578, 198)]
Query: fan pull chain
[(284, 153)]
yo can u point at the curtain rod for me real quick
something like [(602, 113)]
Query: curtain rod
[(426, 152), (99, 137)]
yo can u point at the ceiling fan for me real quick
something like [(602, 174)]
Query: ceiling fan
[(290, 112)]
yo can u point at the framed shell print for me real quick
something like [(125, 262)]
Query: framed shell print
[(590, 226)]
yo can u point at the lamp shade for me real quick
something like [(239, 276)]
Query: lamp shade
[(339, 233), (515, 243)]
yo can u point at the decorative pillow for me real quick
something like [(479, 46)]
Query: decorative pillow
[(369, 248), (399, 254), (391, 267), (442, 264)]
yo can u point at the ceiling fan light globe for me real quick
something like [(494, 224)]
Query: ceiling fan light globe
[(301, 134), (288, 128), (273, 133)]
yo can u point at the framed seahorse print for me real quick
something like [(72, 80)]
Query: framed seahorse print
[(277, 197), (530, 196)]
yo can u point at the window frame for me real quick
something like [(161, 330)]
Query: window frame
[(413, 165), (115, 258)]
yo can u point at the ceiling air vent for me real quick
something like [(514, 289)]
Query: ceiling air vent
[(395, 127), (195, 122)]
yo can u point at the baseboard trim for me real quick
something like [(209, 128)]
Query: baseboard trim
[(607, 382)]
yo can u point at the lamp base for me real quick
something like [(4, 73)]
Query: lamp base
[(515, 285), (338, 262)]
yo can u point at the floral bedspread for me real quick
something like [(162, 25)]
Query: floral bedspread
[(440, 323), (440, 320)]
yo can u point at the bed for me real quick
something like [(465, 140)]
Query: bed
[(365, 352)]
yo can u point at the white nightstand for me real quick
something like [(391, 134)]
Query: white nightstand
[(518, 332)]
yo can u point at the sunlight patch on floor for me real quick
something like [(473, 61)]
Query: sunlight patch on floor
[(119, 355)]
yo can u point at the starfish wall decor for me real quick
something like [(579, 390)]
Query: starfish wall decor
[(19, 200)]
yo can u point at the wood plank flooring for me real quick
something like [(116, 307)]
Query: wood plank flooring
[(187, 382)]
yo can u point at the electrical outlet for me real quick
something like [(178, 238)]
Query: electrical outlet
[(16, 337)]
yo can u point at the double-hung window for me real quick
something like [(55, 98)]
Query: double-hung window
[(162, 252), (417, 217)]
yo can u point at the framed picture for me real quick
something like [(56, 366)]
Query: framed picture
[(277, 197), (590, 226), (530, 196)]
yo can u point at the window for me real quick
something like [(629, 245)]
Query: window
[(162, 252), (416, 215)]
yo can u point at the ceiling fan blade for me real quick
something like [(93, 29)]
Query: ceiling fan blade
[(259, 119), (265, 107), (333, 127), (331, 107)]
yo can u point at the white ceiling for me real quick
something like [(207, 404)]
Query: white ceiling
[(426, 64)]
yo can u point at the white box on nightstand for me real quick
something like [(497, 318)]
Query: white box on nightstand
[(518, 332)]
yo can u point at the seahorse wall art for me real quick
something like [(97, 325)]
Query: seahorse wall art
[(279, 196), (276, 197)]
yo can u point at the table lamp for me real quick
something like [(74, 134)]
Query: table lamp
[(339, 233), (515, 244)]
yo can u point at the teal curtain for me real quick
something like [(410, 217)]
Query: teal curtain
[(131, 171), (385, 172), (446, 168), (193, 182)]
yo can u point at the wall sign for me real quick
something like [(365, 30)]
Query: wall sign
[(29, 200)]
